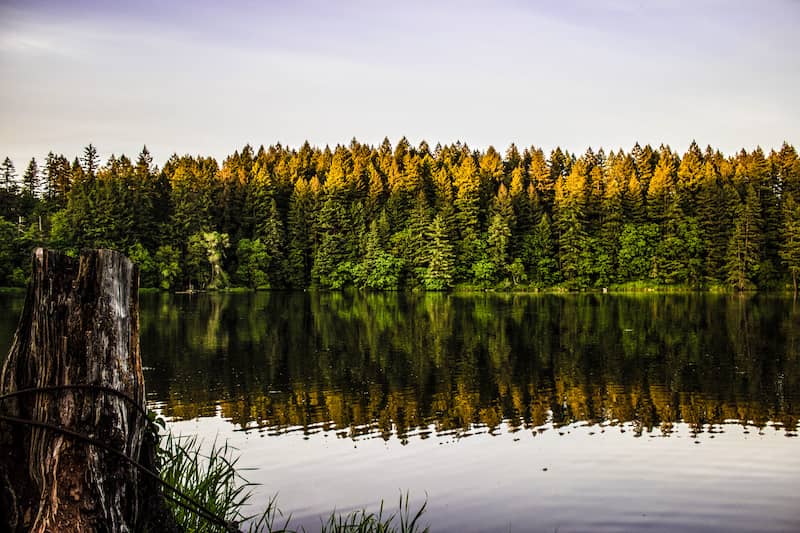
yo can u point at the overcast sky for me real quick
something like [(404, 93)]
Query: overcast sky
[(206, 77)]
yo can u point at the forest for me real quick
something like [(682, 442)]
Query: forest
[(404, 217)]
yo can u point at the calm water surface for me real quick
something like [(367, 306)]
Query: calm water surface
[(511, 413)]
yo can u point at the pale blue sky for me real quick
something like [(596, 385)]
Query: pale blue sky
[(196, 77)]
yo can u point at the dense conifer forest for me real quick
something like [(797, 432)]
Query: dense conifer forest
[(405, 217)]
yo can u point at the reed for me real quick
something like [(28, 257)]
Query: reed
[(211, 478)]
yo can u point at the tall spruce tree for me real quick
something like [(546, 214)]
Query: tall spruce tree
[(8, 191), (790, 246), (743, 259), (439, 274)]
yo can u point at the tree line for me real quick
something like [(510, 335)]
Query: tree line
[(404, 217)]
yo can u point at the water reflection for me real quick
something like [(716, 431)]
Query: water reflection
[(407, 365)]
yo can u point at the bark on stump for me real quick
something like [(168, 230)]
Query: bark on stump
[(80, 325)]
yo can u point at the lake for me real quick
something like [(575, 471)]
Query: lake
[(507, 412)]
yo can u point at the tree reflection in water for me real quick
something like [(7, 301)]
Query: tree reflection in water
[(400, 364)]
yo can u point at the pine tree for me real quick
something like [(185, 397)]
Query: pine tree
[(522, 214), (790, 245), (544, 177), (332, 251), (787, 166), (645, 160), (8, 191), (662, 187), (417, 225), (150, 202), (440, 270), (712, 220), (498, 238), (467, 207), (678, 257), (270, 232), (57, 179), (299, 241), (769, 193), (612, 218), (689, 177), (376, 196), (633, 202), (90, 160), (540, 255), (743, 257), (492, 175), (30, 180), (573, 241)]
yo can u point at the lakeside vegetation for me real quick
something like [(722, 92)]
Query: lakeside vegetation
[(209, 475), (405, 217)]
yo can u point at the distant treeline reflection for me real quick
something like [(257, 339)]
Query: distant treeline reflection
[(401, 364)]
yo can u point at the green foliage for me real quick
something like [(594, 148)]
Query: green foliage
[(196, 267), (383, 272), (790, 248), (254, 261), (365, 216), (167, 260), (517, 272), (743, 259), (637, 246), (539, 255), (498, 239), (210, 478), (8, 253), (438, 275), (484, 272), (148, 269)]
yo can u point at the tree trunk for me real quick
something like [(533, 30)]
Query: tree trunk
[(79, 326)]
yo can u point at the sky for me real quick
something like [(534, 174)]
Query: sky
[(207, 77)]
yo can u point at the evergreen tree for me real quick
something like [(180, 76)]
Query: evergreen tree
[(440, 270), (90, 160), (467, 206), (497, 240), (638, 244), (8, 191), (743, 259), (30, 180), (712, 220), (661, 191), (645, 160), (540, 253), (522, 215), (270, 232), (300, 253), (790, 247), (690, 175), (9, 176), (633, 202), (57, 176), (379, 269), (574, 255), (612, 218)]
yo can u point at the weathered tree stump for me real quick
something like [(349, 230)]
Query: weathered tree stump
[(79, 327)]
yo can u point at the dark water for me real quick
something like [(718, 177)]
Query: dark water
[(520, 413)]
